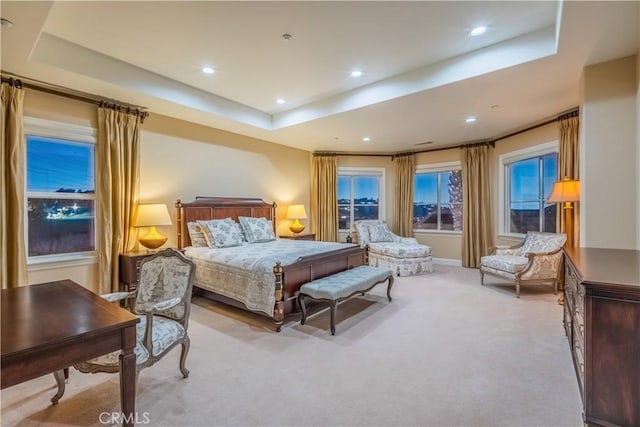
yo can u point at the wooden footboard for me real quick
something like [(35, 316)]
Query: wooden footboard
[(288, 279)]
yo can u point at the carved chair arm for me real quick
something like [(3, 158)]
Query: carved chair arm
[(542, 265), (118, 296), (162, 305)]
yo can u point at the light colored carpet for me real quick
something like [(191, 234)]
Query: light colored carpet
[(445, 352)]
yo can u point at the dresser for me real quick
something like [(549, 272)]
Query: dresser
[(602, 323)]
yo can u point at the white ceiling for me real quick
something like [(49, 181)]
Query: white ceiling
[(423, 73)]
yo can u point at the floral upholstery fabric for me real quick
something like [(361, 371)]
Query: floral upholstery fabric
[(163, 278), (220, 233), (507, 263), (537, 242), (402, 266), (165, 332), (257, 229), (380, 233), (196, 235), (345, 283), (362, 228), (400, 250)]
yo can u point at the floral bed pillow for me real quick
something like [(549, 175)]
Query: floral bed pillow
[(257, 229), (221, 233), (196, 235)]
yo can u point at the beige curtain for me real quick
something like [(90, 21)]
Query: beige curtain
[(13, 271), (405, 170), (118, 161), (569, 166), (324, 196), (476, 215)]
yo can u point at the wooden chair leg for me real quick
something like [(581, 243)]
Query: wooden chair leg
[(333, 317), (183, 356), (302, 308), (389, 287), (59, 376), (481, 278), (517, 289)]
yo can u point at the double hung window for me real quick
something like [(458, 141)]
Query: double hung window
[(437, 198), (360, 195), (60, 190)]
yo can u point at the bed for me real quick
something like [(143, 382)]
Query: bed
[(215, 267)]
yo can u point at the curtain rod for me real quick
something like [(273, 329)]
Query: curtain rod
[(72, 94)]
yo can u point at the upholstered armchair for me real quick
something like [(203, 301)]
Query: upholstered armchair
[(162, 300), (403, 255), (538, 260)]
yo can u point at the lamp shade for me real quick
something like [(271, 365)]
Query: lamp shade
[(152, 214), (296, 212), (567, 190)]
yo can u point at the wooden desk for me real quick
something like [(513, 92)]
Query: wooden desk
[(50, 326)]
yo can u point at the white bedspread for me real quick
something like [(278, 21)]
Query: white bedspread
[(245, 273)]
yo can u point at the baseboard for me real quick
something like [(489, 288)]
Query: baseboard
[(447, 261)]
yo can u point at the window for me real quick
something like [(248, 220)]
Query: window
[(360, 195), (61, 199), (528, 180), (437, 198)]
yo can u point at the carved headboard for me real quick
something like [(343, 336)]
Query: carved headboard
[(205, 208)]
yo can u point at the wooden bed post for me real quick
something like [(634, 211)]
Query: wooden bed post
[(278, 310), (179, 222)]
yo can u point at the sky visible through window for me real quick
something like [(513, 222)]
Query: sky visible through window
[(54, 164)]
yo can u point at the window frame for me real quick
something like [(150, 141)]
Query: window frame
[(351, 171), (434, 168), (504, 161), (34, 126)]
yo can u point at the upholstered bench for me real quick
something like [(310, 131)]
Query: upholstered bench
[(341, 286)]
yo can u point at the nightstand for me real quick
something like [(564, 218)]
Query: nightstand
[(301, 236), (130, 269)]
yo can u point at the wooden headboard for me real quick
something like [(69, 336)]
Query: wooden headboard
[(205, 208)]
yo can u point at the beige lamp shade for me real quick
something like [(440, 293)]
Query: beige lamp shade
[(567, 190), (151, 215), (296, 212)]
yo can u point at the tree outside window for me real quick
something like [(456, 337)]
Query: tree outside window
[(437, 201)]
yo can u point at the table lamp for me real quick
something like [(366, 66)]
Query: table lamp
[(151, 215), (296, 212)]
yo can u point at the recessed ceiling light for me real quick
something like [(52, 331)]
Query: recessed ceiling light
[(470, 119), (356, 73), (280, 101), (366, 139), (478, 31), (208, 70), (6, 23)]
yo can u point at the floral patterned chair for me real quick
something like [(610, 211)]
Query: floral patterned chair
[(537, 260), (162, 300), (403, 255)]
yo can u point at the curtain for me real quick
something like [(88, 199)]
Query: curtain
[(476, 215), (405, 170), (569, 166), (13, 271), (118, 163), (324, 196)]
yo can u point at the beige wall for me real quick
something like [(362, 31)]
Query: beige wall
[(609, 214), (638, 140), (182, 160)]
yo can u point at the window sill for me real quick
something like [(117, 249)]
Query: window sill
[(438, 232), (61, 261)]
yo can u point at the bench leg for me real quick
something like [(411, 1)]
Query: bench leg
[(389, 287), (302, 308), (333, 317)]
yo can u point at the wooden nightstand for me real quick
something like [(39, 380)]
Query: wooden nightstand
[(301, 236), (130, 269)]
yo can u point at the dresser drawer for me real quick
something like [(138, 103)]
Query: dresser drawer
[(567, 322)]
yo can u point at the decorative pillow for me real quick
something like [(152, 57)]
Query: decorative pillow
[(257, 229), (220, 233), (362, 228), (380, 233), (240, 232), (196, 235)]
